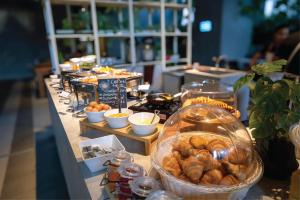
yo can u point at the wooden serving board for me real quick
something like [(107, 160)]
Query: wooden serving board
[(132, 142)]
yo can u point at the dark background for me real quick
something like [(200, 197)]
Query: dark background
[(22, 38)]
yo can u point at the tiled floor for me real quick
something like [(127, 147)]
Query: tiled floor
[(3, 166), (19, 181), (20, 176), (29, 163)]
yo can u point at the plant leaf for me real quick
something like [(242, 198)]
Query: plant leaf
[(281, 88), (243, 81), (269, 67)]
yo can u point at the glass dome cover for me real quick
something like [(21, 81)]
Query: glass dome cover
[(203, 149), (212, 89)]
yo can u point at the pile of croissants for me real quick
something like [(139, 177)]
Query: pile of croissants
[(204, 161)]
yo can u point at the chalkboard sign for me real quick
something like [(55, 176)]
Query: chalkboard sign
[(108, 92)]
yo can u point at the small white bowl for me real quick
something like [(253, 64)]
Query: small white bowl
[(143, 129), (117, 122), (53, 76), (94, 117)]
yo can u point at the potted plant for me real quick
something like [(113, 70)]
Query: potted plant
[(275, 107)]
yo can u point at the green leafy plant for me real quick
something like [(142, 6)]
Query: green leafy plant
[(275, 105), (66, 24)]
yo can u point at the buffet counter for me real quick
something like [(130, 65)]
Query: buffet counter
[(81, 183)]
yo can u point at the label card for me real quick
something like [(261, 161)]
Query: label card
[(108, 92)]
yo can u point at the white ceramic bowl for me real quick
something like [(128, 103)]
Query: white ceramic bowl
[(94, 117), (65, 67), (117, 122), (143, 129)]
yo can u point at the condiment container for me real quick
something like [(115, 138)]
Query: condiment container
[(142, 186), (118, 158), (128, 171)]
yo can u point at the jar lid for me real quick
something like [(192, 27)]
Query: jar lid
[(162, 195), (131, 170), (144, 185), (120, 157)]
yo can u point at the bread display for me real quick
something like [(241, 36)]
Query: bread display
[(208, 161), (204, 152), (209, 101), (212, 102)]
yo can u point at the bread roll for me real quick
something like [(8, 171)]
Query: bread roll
[(212, 177)]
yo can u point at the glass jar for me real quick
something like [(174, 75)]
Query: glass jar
[(118, 158), (128, 171), (112, 176), (141, 187)]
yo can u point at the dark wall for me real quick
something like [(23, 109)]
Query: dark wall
[(22, 38), (236, 31), (206, 45)]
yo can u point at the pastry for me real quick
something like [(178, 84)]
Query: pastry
[(171, 165), (183, 177), (210, 162), (240, 171), (198, 142), (207, 160), (195, 152), (229, 180), (192, 168), (183, 146), (213, 102), (239, 155), (212, 177), (218, 148)]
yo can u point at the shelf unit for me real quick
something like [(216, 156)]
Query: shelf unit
[(97, 34)]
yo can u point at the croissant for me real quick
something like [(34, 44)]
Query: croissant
[(192, 168), (239, 155), (207, 160), (184, 178), (178, 157), (171, 165), (217, 148), (212, 177), (229, 180), (240, 171), (183, 146), (198, 142)]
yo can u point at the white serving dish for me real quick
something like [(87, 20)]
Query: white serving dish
[(119, 122), (143, 129), (96, 163), (65, 67), (94, 117), (53, 76)]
